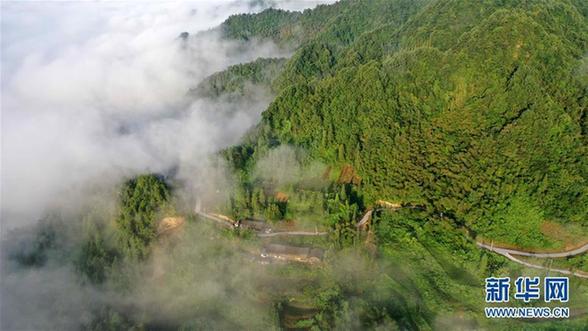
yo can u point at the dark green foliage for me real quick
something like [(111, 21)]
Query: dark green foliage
[(272, 212), (97, 254), (240, 79), (319, 56), (268, 24), (283, 27), (108, 319), (344, 208), (248, 202), (463, 108), (142, 201), (33, 252), (475, 110)]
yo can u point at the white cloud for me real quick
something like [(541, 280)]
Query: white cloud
[(93, 91)]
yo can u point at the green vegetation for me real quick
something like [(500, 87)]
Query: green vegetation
[(475, 110), (105, 248), (267, 24), (143, 200), (283, 27), (240, 79), (35, 252), (97, 255)]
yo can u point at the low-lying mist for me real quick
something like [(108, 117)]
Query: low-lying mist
[(91, 102), (193, 276), (94, 93)]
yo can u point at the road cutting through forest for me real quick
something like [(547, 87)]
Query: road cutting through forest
[(536, 266), (274, 252), (292, 233), (366, 218), (506, 252), (503, 251)]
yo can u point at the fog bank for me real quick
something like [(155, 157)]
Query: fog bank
[(93, 92), (96, 92)]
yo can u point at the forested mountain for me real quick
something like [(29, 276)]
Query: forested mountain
[(399, 137), (476, 110), (471, 113), (240, 79)]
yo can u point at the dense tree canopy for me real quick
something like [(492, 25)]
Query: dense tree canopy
[(240, 79), (142, 202), (469, 118), (475, 109)]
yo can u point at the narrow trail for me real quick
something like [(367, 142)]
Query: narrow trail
[(221, 221), (227, 223), (273, 252), (366, 218), (506, 252), (383, 204), (292, 233)]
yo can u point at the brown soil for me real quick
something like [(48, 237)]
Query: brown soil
[(281, 197), (388, 204), (348, 175), (170, 224), (557, 232)]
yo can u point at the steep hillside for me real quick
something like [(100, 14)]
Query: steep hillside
[(408, 150), (475, 110), (240, 79)]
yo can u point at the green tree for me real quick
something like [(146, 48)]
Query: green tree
[(96, 256), (142, 201)]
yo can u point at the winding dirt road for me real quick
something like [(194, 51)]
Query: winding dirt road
[(224, 221), (217, 219), (506, 252), (292, 233)]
